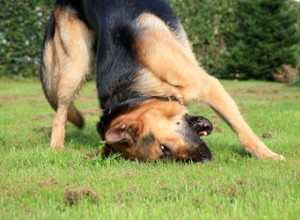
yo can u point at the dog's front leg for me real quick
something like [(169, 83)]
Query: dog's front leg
[(160, 51), (215, 95)]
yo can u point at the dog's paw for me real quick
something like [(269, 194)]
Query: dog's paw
[(273, 156), (277, 157), (56, 147), (281, 157)]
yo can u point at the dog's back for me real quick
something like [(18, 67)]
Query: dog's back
[(109, 28), (94, 36), (115, 22)]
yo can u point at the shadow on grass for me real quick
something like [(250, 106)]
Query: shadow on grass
[(82, 139), (78, 138), (88, 138), (241, 152)]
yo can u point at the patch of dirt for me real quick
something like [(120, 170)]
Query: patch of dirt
[(74, 195), (267, 135), (228, 191), (270, 92), (50, 181), (44, 130), (197, 201), (219, 208), (240, 182), (11, 190), (128, 174), (20, 99), (93, 111), (133, 190), (93, 154), (43, 117)]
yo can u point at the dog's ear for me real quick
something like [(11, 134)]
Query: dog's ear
[(124, 132)]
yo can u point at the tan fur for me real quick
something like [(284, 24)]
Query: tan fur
[(168, 68), (152, 85), (159, 118), (169, 60), (173, 64), (68, 60)]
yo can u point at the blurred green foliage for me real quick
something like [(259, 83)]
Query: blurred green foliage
[(213, 26), (263, 39), (21, 34)]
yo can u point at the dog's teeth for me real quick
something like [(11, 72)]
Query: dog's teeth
[(162, 147), (205, 133)]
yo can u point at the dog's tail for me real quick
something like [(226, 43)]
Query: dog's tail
[(75, 116)]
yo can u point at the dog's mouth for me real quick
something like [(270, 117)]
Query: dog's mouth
[(195, 151), (201, 125), (198, 127)]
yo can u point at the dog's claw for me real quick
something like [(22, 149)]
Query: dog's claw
[(281, 157), (274, 157)]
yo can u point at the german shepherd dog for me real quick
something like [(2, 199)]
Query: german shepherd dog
[(146, 74)]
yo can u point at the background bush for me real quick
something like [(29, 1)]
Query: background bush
[(213, 26), (242, 39), (262, 40), (202, 20), (21, 34)]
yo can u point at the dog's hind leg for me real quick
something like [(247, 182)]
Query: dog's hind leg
[(160, 51), (66, 62)]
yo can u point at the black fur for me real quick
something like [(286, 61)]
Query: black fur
[(117, 67), (113, 22), (119, 108)]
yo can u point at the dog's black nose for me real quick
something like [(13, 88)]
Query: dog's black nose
[(207, 128), (200, 124)]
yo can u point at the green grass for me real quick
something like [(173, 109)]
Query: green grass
[(36, 182)]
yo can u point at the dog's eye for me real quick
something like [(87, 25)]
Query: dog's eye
[(166, 150)]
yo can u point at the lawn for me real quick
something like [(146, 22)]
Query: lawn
[(39, 183)]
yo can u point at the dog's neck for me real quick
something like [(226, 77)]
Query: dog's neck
[(115, 110), (131, 103)]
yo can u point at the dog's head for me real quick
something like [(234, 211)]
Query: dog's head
[(159, 129)]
